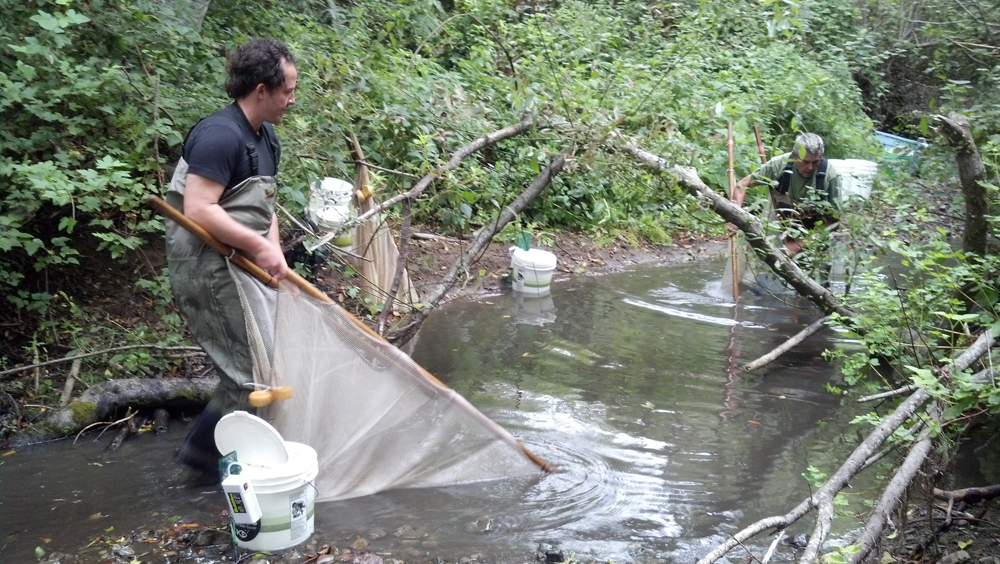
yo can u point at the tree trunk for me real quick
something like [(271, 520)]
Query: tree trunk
[(971, 172)]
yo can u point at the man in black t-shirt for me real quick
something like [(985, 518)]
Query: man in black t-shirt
[(226, 183)]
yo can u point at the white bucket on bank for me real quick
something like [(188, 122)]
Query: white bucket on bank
[(282, 474), (330, 207), (856, 177), (532, 271)]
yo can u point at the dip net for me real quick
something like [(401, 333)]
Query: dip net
[(377, 420)]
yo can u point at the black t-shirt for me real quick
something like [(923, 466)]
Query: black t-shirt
[(218, 148)]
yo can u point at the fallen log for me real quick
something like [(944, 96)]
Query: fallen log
[(103, 399), (969, 495)]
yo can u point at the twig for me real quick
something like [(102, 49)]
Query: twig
[(770, 550), (67, 392), (383, 169), (128, 415), (397, 277), (322, 240), (435, 237), (96, 353)]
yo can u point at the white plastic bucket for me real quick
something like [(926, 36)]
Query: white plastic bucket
[(287, 498), (856, 177), (330, 207), (532, 271), (281, 474)]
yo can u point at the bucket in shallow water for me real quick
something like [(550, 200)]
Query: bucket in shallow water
[(282, 474), (532, 271)]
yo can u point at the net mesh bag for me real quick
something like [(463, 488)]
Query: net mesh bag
[(377, 420)]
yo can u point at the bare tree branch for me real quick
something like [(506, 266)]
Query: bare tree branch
[(525, 124), (96, 353), (687, 177)]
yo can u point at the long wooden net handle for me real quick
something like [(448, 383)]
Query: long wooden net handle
[(257, 272), (732, 197)]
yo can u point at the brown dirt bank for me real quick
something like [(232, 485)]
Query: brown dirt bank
[(431, 256)]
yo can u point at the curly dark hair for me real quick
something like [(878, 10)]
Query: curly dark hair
[(257, 61)]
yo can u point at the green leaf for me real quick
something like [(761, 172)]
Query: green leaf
[(27, 71), (74, 17), (46, 21), (67, 224), (834, 558)]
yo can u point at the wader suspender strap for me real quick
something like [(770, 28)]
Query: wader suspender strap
[(251, 149), (785, 178)]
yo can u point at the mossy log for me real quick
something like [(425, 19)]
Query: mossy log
[(102, 401)]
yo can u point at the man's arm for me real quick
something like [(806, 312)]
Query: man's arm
[(740, 193), (201, 205)]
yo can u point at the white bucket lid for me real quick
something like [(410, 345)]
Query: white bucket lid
[(533, 258), (254, 440), (334, 188)]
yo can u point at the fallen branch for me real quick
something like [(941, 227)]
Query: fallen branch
[(525, 124), (822, 500), (890, 394), (161, 421), (96, 353), (778, 261), (787, 345), (897, 486), (969, 495), (131, 427)]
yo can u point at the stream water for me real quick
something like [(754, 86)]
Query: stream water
[(629, 383)]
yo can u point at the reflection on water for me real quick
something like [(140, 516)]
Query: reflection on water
[(628, 383)]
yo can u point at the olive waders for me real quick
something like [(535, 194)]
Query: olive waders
[(207, 296)]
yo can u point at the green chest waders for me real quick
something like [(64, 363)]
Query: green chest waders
[(207, 296)]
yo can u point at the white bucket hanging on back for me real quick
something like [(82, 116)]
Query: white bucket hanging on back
[(330, 208), (532, 271)]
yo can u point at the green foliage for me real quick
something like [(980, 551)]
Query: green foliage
[(88, 95)]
